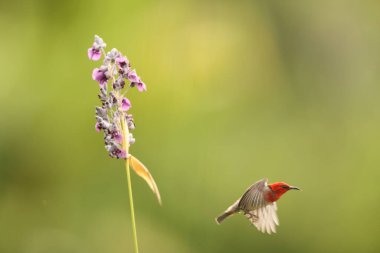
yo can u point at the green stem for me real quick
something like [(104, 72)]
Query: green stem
[(126, 148), (131, 205)]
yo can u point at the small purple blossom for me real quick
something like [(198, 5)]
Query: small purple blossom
[(141, 86), (117, 137), (132, 76), (99, 75), (121, 154), (125, 104), (122, 62), (98, 127), (116, 152), (112, 116), (94, 54)]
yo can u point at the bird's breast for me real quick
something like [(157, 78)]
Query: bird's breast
[(270, 196)]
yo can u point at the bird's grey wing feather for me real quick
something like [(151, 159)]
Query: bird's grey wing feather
[(253, 198)]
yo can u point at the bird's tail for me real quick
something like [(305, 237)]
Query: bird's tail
[(221, 218), (230, 210)]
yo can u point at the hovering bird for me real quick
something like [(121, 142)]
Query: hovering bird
[(258, 204)]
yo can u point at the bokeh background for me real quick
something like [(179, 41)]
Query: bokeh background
[(237, 91)]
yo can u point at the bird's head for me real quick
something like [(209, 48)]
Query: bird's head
[(279, 188)]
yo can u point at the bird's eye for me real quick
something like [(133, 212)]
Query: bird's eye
[(285, 187)]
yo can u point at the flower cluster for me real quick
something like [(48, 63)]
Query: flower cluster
[(112, 117)]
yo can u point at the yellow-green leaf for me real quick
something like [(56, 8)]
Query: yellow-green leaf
[(143, 172)]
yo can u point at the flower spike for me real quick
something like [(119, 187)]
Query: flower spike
[(113, 117)]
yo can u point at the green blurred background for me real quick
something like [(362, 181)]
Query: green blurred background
[(237, 91)]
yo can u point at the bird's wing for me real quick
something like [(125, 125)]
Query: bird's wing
[(265, 218), (253, 198), (260, 212)]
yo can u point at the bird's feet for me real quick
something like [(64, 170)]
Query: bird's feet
[(251, 216)]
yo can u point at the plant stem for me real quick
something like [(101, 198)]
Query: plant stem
[(131, 205), (127, 169)]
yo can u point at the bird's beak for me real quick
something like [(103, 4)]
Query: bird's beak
[(294, 188)]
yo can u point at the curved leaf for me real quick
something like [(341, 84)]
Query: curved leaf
[(143, 172)]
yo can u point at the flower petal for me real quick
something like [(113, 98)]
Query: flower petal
[(125, 104), (132, 76), (98, 127), (121, 61), (121, 154), (99, 75), (94, 54), (118, 137), (141, 86)]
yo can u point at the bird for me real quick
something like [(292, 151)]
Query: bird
[(258, 204)]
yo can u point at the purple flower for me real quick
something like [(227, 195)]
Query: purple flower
[(94, 53), (132, 76), (125, 104), (118, 138), (99, 75), (98, 127), (122, 62), (141, 86), (114, 104), (115, 135), (115, 151), (121, 154)]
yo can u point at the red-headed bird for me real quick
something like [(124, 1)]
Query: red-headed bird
[(258, 204)]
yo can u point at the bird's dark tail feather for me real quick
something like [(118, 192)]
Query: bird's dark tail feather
[(222, 217)]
